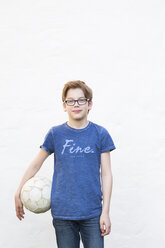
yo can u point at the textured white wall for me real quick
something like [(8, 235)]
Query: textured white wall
[(117, 48)]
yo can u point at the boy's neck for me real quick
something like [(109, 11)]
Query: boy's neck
[(78, 124)]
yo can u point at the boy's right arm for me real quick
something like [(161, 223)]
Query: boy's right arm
[(32, 169)]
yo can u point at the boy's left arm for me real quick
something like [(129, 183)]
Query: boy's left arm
[(106, 180)]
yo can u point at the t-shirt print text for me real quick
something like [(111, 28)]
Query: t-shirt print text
[(71, 147)]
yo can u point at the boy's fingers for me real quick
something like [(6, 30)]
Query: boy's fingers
[(19, 212), (105, 231), (102, 228), (22, 211)]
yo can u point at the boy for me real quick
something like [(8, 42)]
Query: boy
[(81, 148)]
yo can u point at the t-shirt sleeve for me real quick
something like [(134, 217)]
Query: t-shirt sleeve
[(48, 142), (107, 143)]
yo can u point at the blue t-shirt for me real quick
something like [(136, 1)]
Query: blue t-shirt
[(76, 186)]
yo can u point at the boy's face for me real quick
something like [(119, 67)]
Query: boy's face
[(75, 94)]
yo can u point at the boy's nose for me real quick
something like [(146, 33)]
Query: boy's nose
[(76, 103)]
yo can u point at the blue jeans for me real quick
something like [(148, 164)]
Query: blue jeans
[(68, 233)]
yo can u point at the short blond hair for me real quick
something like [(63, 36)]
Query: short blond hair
[(77, 84)]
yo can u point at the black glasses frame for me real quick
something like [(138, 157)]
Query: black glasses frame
[(74, 101)]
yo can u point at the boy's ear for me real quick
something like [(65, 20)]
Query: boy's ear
[(90, 105), (64, 106)]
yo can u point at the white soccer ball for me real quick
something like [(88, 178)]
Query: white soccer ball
[(36, 194)]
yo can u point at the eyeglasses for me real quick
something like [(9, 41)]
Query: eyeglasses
[(79, 101)]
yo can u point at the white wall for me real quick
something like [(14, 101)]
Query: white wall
[(117, 48)]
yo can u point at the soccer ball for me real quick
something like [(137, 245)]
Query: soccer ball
[(36, 194)]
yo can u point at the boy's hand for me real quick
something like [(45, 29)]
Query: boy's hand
[(19, 207), (105, 221)]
